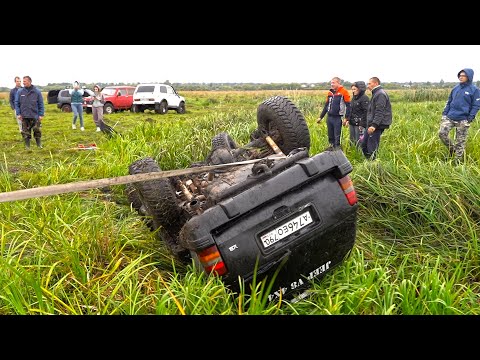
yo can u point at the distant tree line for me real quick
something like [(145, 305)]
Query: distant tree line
[(256, 86)]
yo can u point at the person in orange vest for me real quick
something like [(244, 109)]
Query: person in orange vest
[(337, 106)]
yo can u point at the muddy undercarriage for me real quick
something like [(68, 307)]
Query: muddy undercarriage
[(169, 203), (274, 211)]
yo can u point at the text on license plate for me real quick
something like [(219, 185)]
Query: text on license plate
[(286, 229)]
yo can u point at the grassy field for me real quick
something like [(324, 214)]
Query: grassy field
[(416, 251)]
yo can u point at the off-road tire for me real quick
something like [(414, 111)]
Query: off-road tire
[(161, 108), (159, 199), (133, 198), (181, 108), (279, 118), (223, 140), (108, 109), (66, 108), (221, 153)]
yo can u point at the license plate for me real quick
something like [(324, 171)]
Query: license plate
[(286, 229)]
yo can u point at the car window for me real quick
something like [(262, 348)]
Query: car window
[(130, 91), (163, 89), (108, 92), (64, 93), (146, 88)]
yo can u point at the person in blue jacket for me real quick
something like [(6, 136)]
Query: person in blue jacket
[(30, 110), (460, 110)]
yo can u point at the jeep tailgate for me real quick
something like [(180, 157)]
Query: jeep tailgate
[(298, 221)]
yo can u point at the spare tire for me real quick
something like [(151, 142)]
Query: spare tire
[(280, 119), (160, 202)]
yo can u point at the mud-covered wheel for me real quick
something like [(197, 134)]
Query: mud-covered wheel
[(66, 108), (181, 108), (159, 199), (161, 108), (221, 153), (223, 140), (133, 197), (279, 118)]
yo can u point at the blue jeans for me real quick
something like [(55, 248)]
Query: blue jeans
[(77, 112), (354, 134)]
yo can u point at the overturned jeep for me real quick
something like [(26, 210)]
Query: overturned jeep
[(280, 216)]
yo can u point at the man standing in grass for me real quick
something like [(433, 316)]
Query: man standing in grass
[(30, 110), (379, 118), (336, 106), (462, 105), (13, 92)]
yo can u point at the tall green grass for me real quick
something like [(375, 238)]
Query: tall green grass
[(416, 250)]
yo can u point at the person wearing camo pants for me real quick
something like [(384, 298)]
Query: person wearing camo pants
[(460, 110)]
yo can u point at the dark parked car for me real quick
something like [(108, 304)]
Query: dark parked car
[(285, 217), (63, 99)]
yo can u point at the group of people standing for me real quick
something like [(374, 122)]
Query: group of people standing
[(77, 105), (367, 118), (29, 108)]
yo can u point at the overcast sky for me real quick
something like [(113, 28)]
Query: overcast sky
[(235, 63)]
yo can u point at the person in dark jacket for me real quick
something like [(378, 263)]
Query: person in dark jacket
[(460, 110), (30, 110), (379, 118), (13, 92), (357, 122), (336, 106)]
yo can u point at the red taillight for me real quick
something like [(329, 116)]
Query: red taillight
[(211, 260), (347, 186)]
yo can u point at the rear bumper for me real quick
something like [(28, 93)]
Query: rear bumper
[(238, 225)]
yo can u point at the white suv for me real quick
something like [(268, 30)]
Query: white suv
[(157, 97)]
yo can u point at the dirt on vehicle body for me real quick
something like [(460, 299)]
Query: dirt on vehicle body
[(286, 217)]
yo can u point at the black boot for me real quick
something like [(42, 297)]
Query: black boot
[(27, 144), (39, 142)]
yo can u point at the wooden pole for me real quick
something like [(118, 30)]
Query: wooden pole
[(99, 183)]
